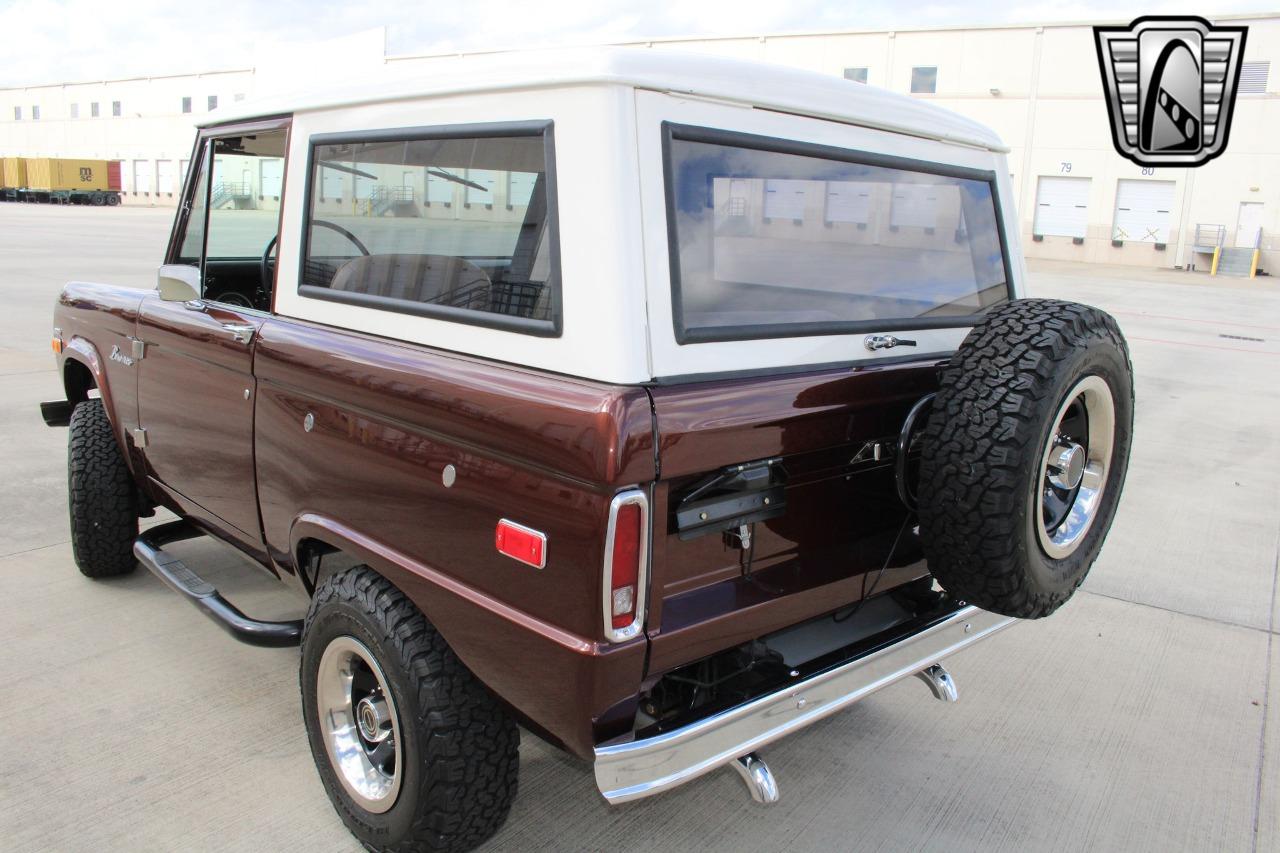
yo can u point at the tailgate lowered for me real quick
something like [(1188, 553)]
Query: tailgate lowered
[(645, 766)]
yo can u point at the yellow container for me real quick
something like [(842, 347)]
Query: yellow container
[(49, 173), (13, 173)]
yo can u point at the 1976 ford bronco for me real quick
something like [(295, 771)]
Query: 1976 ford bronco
[(663, 405)]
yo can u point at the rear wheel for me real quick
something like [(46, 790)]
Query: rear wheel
[(413, 752), (1025, 455), (102, 498)]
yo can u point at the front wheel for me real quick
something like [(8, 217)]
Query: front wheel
[(102, 498), (413, 752)]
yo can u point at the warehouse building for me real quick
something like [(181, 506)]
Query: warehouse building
[(1038, 86)]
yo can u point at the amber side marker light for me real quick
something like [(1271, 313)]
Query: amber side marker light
[(57, 341)]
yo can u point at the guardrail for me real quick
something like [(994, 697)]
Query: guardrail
[(1210, 236)]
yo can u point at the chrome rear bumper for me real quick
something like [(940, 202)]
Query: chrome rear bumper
[(641, 768)]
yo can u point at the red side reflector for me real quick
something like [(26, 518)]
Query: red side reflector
[(624, 566), (521, 543)]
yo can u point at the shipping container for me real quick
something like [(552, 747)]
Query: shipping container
[(51, 174), (14, 172)]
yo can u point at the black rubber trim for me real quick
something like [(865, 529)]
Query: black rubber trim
[(149, 549), (792, 369), (57, 413)]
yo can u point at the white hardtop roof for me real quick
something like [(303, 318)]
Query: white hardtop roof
[(755, 84)]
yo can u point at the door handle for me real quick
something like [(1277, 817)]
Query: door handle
[(241, 332)]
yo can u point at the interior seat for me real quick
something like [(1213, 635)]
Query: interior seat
[(434, 279)]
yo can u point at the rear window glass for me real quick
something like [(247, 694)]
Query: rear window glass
[(452, 224), (774, 243)]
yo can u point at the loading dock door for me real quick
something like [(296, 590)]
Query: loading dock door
[(849, 201), (914, 205), (784, 199), (164, 177), (1062, 207), (142, 176), (1143, 211)]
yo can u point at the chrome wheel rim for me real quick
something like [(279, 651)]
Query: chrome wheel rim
[(1074, 467), (359, 724)]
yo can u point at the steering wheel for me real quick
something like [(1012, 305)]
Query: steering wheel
[(264, 265)]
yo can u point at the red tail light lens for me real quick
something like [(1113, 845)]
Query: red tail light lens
[(625, 565)]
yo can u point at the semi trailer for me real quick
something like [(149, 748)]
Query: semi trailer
[(60, 180)]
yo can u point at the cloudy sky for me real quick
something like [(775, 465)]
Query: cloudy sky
[(60, 40)]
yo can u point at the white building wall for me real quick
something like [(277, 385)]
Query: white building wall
[(151, 125), (1037, 86)]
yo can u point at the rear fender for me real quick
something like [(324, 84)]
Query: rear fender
[(515, 655)]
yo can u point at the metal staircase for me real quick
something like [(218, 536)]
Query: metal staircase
[(1235, 261), (1238, 261), (399, 201), (225, 193)]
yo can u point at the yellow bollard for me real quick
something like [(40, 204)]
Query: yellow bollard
[(1213, 270)]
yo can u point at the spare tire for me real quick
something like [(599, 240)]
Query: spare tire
[(1024, 455)]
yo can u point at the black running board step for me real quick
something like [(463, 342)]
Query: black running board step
[(149, 549)]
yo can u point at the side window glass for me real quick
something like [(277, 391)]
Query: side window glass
[(191, 246), (244, 202), (245, 190), (455, 226)]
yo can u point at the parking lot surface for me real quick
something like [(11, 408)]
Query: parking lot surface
[(1144, 716)]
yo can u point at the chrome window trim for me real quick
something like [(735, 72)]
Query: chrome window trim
[(624, 498)]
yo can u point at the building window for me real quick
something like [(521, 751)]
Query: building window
[(186, 105), (213, 102), (924, 80), (35, 113), (1253, 77), (239, 96), (115, 108), (857, 75), (17, 113), (93, 109), (75, 111)]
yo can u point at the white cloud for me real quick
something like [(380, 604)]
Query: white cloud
[(56, 40)]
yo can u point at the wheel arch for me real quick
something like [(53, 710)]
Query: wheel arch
[(486, 634), (82, 371)]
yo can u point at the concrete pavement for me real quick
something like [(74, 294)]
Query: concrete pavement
[(1143, 716)]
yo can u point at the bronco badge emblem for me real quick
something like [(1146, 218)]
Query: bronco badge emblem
[(1170, 84), (116, 355)]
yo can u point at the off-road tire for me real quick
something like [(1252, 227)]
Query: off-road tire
[(982, 452), (461, 748), (102, 497)]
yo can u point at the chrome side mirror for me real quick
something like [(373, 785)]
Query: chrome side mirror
[(178, 283)]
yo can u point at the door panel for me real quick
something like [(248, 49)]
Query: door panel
[(196, 403), (1249, 224), (198, 393)]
